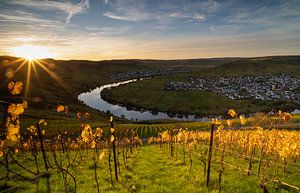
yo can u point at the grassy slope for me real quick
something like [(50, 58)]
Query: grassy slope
[(80, 76), (150, 94), (150, 169)]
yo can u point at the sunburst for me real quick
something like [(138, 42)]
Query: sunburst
[(31, 57)]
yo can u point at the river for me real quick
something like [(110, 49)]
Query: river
[(94, 100)]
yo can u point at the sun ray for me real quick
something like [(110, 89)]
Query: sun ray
[(20, 66), (17, 60), (34, 69), (54, 76), (13, 62), (28, 80)]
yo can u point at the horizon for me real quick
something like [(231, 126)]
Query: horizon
[(145, 59), (99, 30)]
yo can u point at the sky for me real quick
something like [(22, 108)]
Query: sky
[(151, 29)]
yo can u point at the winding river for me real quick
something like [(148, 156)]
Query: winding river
[(94, 100)]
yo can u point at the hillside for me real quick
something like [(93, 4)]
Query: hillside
[(83, 75)]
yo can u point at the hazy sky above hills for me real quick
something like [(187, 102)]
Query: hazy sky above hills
[(158, 29)]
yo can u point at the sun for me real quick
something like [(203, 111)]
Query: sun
[(30, 52)]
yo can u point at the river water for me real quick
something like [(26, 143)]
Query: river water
[(94, 100)]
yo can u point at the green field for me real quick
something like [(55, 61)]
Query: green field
[(149, 169)]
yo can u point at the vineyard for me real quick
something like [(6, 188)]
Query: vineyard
[(238, 154)]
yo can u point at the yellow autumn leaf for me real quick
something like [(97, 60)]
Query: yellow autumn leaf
[(15, 109), (102, 155), (78, 114), (98, 132), (111, 119), (12, 135), (229, 123), (60, 108), (25, 145), (42, 122), (25, 104), (243, 120), (93, 144), (13, 129), (11, 86), (259, 128), (112, 130), (220, 128), (287, 116), (231, 112), (15, 87), (31, 129), (87, 115), (215, 121), (112, 138), (88, 128)]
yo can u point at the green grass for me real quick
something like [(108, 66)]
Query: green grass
[(150, 130), (150, 169)]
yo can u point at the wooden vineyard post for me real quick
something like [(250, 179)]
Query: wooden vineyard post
[(4, 119), (113, 139), (44, 154), (210, 153)]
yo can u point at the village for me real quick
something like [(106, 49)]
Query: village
[(280, 87), (144, 73)]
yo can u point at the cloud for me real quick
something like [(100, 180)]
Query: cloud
[(22, 17), (93, 28), (198, 17), (263, 16), (212, 6), (129, 10), (81, 7), (125, 17), (64, 6), (209, 7), (142, 10), (212, 28)]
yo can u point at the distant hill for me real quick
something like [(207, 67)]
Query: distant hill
[(262, 65), (82, 75)]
